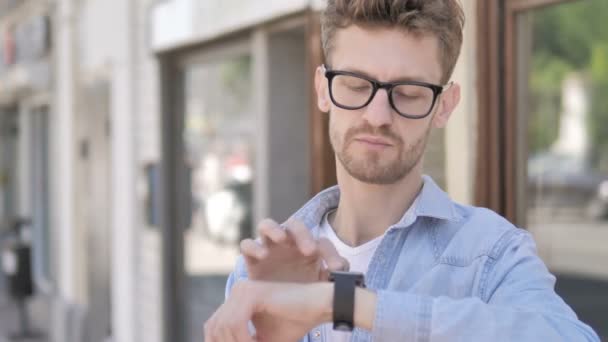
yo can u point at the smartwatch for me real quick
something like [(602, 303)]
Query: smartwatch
[(344, 298)]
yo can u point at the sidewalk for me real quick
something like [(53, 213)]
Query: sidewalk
[(9, 319)]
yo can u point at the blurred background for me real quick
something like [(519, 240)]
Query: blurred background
[(140, 141)]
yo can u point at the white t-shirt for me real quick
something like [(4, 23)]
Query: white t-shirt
[(358, 257)]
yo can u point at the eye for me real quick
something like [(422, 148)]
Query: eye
[(359, 88), (406, 96), (354, 84), (411, 92)]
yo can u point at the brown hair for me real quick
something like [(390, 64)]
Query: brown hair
[(441, 18)]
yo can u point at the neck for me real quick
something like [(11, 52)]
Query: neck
[(366, 211)]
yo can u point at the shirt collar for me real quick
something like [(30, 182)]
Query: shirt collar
[(435, 203), (431, 202)]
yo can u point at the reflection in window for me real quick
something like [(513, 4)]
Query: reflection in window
[(219, 127), (219, 135), (568, 114), (565, 72)]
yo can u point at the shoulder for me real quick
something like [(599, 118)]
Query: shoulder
[(478, 232)]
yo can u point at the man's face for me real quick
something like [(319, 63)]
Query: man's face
[(374, 144)]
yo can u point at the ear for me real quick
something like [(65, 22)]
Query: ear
[(321, 86), (448, 100)]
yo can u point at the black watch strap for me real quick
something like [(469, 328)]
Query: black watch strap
[(344, 298)]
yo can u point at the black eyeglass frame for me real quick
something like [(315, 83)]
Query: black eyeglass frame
[(389, 86)]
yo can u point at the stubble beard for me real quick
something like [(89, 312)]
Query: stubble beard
[(375, 167)]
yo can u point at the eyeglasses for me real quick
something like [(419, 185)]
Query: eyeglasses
[(410, 99)]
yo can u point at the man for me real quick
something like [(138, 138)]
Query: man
[(434, 270)]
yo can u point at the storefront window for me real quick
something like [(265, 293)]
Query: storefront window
[(218, 135), (563, 104)]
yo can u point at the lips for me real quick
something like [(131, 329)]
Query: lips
[(374, 141)]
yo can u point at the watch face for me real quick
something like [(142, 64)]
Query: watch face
[(358, 276)]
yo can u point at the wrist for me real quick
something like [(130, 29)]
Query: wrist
[(326, 294), (365, 308), (365, 305)]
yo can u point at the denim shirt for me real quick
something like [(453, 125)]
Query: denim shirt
[(449, 272)]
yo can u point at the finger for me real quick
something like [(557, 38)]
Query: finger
[(229, 323), (330, 255), (239, 315), (253, 250), (226, 335), (238, 324), (207, 331), (210, 329), (324, 274), (269, 230), (302, 237), (241, 333)]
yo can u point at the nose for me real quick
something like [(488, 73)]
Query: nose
[(379, 112)]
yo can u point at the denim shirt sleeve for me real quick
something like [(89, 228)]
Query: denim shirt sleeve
[(238, 273), (516, 302)]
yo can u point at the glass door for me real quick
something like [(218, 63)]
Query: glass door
[(39, 187), (561, 62), (8, 177), (8, 166), (219, 146)]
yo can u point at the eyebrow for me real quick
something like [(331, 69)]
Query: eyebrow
[(418, 78)]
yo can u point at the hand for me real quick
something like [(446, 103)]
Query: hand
[(290, 254), (281, 312)]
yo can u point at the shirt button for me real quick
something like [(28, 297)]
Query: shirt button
[(316, 334)]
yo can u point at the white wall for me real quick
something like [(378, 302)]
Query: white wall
[(114, 44), (106, 51), (461, 132), (148, 282), (62, 187), (178, 22)]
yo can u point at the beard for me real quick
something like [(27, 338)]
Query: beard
[(378, 167)]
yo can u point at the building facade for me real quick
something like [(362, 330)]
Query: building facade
[(146, 138), (26, 82)]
